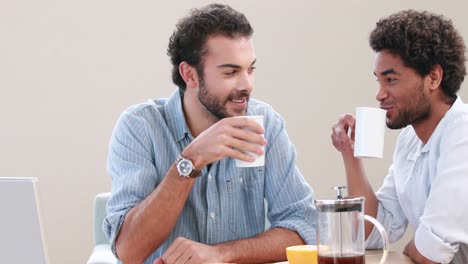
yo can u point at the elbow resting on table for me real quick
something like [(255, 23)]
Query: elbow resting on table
[(126, 254)]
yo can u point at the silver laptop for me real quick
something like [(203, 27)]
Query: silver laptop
[(21, 234)]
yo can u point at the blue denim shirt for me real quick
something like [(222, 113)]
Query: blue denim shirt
[(227, 202)]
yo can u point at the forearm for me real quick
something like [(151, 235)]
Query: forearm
[(269, 246), (412, 252), (358, 185), (139, 237)]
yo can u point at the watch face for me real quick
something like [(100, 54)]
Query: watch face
[(185, 167)]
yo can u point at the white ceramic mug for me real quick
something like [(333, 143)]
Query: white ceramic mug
[(260, 160), (369, 132)]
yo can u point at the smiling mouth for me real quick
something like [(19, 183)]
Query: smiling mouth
[(386, 107), (239, 101)]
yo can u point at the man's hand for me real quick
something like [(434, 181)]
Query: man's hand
[(342, 142), (184, 250), (266, 247), (226, 138), (412, 252)]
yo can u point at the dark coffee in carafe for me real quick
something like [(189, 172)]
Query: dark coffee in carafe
[(345, 259)]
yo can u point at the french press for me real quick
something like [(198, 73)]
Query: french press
[(340, 230)]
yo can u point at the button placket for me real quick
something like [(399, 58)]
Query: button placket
[(212, 194)]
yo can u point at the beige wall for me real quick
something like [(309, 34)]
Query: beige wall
[(68, 69)]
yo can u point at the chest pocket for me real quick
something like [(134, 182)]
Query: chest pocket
[(245, 209), (244, 179)]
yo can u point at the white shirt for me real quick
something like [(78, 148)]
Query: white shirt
[(427, 187)]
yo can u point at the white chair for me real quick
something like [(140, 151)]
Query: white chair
[(102, 253)]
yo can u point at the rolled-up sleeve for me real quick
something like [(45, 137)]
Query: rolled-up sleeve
[(132, 171), (289, 196), (443, 225)]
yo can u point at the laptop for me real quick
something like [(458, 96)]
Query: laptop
[(21, 234)]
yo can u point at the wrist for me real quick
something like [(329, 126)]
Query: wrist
[(348, 155), (224, 253), (196, 159)]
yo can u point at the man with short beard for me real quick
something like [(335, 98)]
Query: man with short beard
[(177, 195), (419, 65)]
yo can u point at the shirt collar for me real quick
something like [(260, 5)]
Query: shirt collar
[(455, 106), (175, 116)]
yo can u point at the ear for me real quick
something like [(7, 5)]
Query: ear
[(435, 77), (189, 74)]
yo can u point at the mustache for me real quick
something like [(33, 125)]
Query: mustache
[(239, 95), (385, 104)]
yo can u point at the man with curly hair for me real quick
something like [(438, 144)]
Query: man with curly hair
[(177, 195), (419, 65)]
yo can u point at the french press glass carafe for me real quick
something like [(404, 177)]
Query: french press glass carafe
[(340, 230)]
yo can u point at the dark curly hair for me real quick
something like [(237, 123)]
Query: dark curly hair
[(422, 40), (187, 43)]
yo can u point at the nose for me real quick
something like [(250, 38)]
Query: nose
[(246, 82), (382, 93)]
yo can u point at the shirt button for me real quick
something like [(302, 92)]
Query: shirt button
[(210, 177), (241, 180), (213, 215)]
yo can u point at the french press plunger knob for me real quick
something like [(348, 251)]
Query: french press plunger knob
[(339, 190)]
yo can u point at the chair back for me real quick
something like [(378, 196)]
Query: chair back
[(100, 205)]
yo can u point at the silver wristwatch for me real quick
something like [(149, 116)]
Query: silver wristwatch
[(186, 168)]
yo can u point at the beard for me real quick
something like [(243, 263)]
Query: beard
[(217, 106), (418, 109)]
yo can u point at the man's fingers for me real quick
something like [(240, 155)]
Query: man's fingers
[(225, 139), (242, 140), (171, 255), (242, 146), (245, 123), (248, 136), (348, 122), (236, 154), (158, 261), (185, 256), (343, 133)]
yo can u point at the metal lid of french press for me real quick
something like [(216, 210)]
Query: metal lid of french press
[(340, 204)]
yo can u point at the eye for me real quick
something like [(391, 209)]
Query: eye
[(251, 69), (390, 80), (230, 73)]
